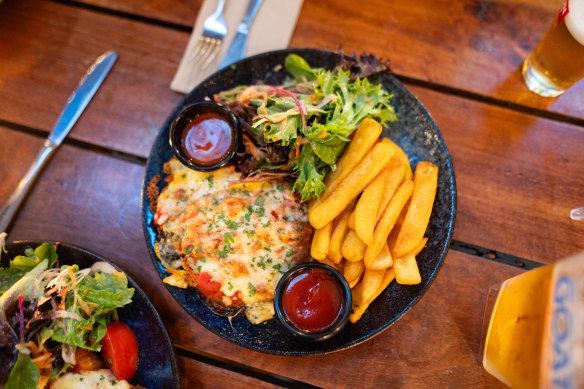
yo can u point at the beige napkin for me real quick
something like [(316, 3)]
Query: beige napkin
[(271, 30)]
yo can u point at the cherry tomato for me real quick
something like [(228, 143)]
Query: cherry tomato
[(207, 285), (86, 360), (120, 350)]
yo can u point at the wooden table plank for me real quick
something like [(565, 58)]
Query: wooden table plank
[(436, 344), (196, 374), (178, 12), (471, 45), (517, 177), (47, 47), (91, 200), (527, 167)]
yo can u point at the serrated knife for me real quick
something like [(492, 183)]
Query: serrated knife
[(238, 46), (75, 106)]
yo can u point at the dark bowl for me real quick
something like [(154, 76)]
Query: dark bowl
[(190, 112), (345, 307), (414, 131), (157, 367)]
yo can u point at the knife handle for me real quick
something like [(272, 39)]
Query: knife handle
[(8, 211), (252, 10)]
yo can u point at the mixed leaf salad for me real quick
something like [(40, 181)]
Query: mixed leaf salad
[(52, 317), (302, 127)]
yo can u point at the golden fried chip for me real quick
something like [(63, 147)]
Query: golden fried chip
[(353, 248), (418, 212), (321, 241), (387, 221), (351, 186), (366, 210)]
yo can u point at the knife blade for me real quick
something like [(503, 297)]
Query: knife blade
[(75, 106), (238, 46)]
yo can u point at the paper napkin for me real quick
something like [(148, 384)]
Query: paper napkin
[(271, 30)]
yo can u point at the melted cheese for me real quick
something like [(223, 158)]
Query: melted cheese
[(99, 379), (244, 236)]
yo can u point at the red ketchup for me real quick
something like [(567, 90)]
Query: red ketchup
[(312, 300), (207, 139)]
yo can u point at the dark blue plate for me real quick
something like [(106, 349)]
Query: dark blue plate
[(156, 360), (418, 135)]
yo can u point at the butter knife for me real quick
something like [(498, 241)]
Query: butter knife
[(238, 46), (75, 106)]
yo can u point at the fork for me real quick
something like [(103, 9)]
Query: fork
[(209, 44)]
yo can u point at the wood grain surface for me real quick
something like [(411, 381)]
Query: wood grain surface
[(91, 200), (201, 375), (471, 45), (47, 47), (517, 157)]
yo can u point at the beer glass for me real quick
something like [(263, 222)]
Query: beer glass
[(558, 60)]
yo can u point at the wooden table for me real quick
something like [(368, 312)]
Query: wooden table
[(518, 161)]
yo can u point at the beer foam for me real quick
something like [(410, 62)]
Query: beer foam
[(575, 20)]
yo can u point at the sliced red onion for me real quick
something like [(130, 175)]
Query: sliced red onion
[(65, 314), (301, 107), (21, 307)]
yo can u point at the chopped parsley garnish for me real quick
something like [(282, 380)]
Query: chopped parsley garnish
[(209, 180), (228, 237), (229, 286), (269, 250), (215, 201), (260, 200), (232, 192), (202, 260), (188, 250), (199, 269), (231, 224), (222, 253), (251, 288), (267, 224), (289, 253), (198, 250), (280, 188), (260, 211)]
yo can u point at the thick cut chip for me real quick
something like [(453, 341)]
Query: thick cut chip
[(351, 186), (367, 206), (359, 306), (353, 248), (363, 140), (353, 271), (394, 179), (401, 156), (338, 236), (406, 268), (321, 241), (418, 212), (351, 221), (383, 260), (387, 222)]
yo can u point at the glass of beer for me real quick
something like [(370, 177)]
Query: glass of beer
[(557, 62)]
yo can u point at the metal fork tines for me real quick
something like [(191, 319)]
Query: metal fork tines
[(214, 31)]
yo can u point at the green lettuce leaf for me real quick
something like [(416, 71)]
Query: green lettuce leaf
[(311, 174), (24, 374), (8, 277), (106, 290), (299, 68), (31, 258), (103, 293)]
